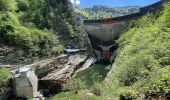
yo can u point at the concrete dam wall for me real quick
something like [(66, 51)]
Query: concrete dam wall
[(103, 32), (106, 32)]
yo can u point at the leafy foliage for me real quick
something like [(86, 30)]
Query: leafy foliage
[(51, 14), (166, 16), (158, 82), (37, 27), (8, 5), (4, 77), (144, 50), (22, 5), (58, 49), (31, 40)]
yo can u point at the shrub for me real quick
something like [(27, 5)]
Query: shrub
[(75, 85), (96, 89), (22, 5), (58, 50), (157, 82), (127, 94), (7, 5), (4, 77), (164, 19), (7, 23)]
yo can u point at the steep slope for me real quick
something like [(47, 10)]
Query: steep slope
[(142, 64), (37, 28)]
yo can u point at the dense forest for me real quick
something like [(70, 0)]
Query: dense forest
[(97, 11), (37, 28)]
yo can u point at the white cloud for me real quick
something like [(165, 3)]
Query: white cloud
[(72, 1), (77, 2)]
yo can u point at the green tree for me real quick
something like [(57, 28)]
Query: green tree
[(23, 5), (8, 5)]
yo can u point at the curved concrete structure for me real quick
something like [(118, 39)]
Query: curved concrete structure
[(102, 33)]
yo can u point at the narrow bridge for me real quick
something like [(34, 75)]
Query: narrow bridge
[(103, 32)]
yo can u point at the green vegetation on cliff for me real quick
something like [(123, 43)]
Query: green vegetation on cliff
[(36, 28), (142, 64), (4, 77)]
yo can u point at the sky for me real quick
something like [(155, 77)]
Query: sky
[(113, 3)]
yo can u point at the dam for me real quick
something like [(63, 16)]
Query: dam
[(102, 33)]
